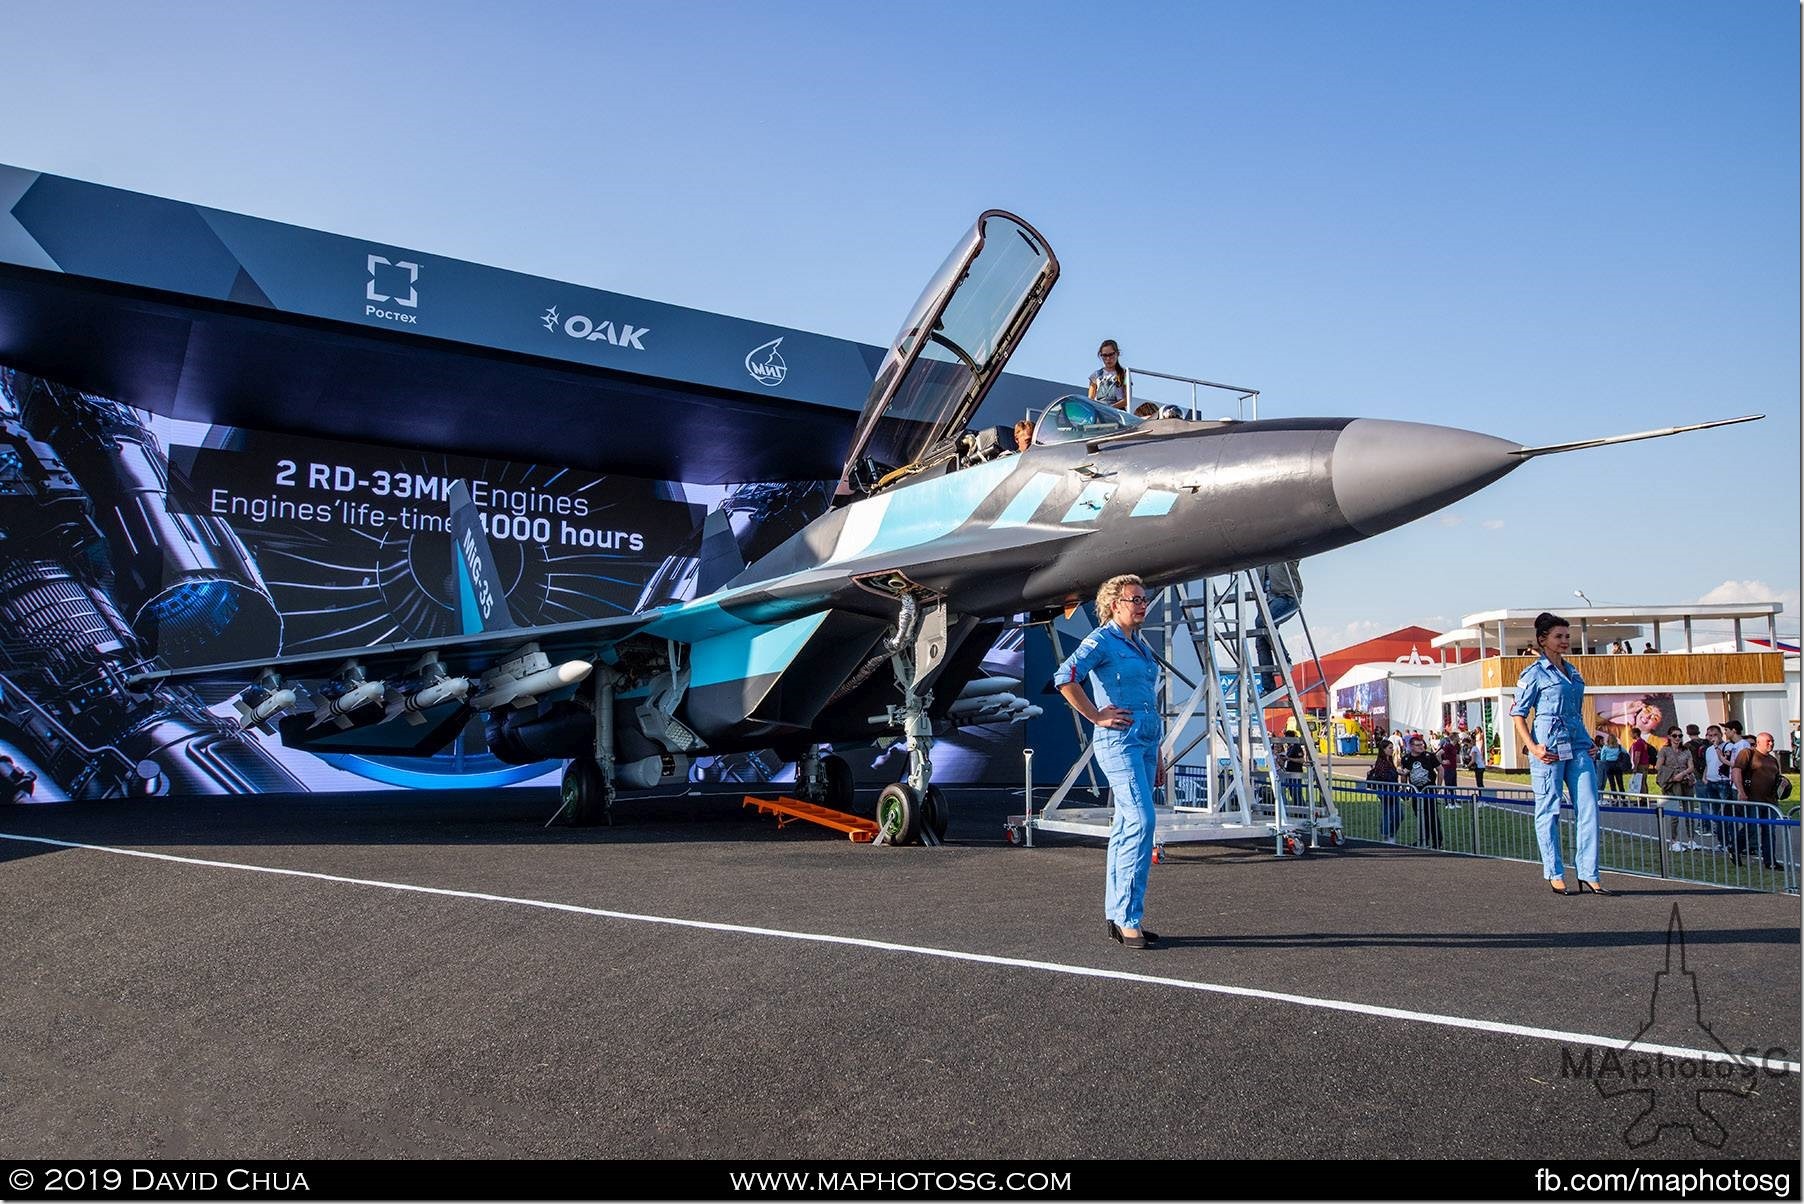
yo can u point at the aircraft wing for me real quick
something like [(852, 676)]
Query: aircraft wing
[(466, 654)]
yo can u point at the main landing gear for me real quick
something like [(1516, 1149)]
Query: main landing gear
[(825, 780), (587, 797), (588, 791)]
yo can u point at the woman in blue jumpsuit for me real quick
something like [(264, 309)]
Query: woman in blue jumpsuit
[(1127, 743), (1560, 753)]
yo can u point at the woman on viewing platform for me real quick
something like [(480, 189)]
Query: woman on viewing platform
[(1127, 743), (1561, 760), (1109, 383)]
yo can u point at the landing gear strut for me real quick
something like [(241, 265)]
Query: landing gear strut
[(588, 789), (917, 812)]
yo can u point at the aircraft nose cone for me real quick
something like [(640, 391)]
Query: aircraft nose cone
[(1388, 473)]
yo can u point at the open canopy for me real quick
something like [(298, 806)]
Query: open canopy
[(951, 349)]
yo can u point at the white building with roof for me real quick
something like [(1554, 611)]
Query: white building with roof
[(1752, 679)]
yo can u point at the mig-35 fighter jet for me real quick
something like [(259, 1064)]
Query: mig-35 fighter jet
[(871, 619)]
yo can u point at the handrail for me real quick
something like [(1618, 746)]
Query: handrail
[(1243, 394)]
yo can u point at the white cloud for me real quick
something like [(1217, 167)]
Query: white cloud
[(1749, 591), (1492, 524), (1450, 520)]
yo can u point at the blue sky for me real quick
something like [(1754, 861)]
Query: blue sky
[(1545, 221)]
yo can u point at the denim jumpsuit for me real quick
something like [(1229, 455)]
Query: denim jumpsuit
[(1126, 676), (1559, 706)]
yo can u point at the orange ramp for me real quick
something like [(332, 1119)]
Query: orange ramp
[(788, 810)]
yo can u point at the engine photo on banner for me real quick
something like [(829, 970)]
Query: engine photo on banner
[(121, 553)]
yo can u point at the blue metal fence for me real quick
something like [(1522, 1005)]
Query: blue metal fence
[(1747, 846)]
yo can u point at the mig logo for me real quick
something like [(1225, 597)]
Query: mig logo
[(765, 365)]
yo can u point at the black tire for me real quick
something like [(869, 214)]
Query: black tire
[(840, 792), (586, 796), (938, 813), (899, 814)]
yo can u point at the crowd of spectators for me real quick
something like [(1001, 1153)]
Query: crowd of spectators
[(1723, 773)]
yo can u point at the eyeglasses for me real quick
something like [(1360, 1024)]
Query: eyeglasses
[(1109, 355), (1142, 600)]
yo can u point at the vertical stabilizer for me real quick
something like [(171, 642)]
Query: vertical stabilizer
[(481, 602), (721, 560)]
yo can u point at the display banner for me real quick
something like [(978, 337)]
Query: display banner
[(354, 542), (129, 238), (126, 548)]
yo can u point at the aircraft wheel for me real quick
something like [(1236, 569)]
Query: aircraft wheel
[(939, 812), (586, 796), (840, 794), (899, 814)]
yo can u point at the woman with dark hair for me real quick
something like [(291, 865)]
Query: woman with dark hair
[(1390, 796), (1109, 383), (1560, 753), (1127, 743)]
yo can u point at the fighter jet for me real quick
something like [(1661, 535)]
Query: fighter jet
[(872, 619)]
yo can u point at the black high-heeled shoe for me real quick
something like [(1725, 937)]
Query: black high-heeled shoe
[(1558, 886), (1593, 888), (1132, 942)]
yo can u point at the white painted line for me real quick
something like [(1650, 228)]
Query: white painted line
[(989, 959)]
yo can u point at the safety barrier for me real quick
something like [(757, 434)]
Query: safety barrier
[(1745, 846), (1302, 799)]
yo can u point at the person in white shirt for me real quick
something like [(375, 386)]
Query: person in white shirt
[(1733, 744)]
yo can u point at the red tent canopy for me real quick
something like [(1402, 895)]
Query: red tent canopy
[(1391, 646)]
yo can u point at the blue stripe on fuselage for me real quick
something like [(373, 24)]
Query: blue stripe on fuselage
[(1025, 503), (1089, 504), (751, 651), (1153, 503), (919, 513)]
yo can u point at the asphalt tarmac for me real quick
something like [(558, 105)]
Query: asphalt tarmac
[(695, 981)]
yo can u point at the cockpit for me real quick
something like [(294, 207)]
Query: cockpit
[(1073, 419)]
